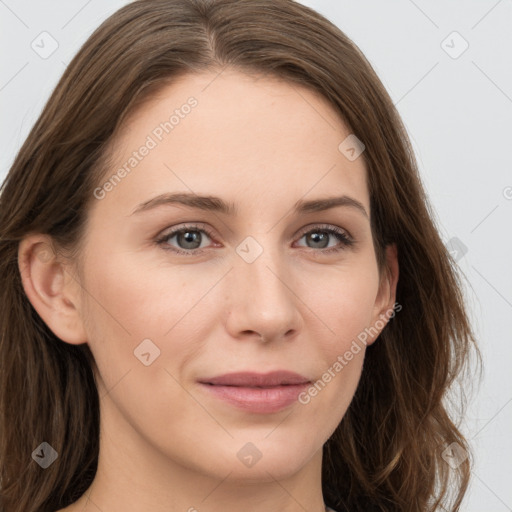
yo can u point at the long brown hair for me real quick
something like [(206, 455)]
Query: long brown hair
[(387, 452)]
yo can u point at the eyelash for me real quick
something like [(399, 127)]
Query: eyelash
[(341, 235)]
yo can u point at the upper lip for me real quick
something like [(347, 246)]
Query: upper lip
[(253, 379)]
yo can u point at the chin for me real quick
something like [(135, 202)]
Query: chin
[(263, 460)]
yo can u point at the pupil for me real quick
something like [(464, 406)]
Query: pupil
[(189, 237), (318, 238)]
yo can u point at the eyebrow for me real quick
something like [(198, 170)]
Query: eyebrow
[(216, 204)]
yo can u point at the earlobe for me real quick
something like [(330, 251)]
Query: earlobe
[(50, 288), (386, 296)]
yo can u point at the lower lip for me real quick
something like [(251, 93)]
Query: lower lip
[(258, 400)]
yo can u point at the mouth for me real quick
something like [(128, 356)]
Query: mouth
[(256, 392)]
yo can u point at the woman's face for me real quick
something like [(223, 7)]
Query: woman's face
[(256, 283)]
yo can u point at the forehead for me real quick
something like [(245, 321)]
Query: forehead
[(233, 135)]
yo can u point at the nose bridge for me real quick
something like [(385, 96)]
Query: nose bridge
[(261, 263)]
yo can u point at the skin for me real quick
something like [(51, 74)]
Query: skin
[(166, 445)]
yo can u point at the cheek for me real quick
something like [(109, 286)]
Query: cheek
[(348, 313), (344, 300), (129, 301), (125, 309)]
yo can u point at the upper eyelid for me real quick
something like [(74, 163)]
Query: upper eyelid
[(323, 225)]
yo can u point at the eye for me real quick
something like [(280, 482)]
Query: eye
[(319, 238), (188, 238)]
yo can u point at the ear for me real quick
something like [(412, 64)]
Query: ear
[(51, 288), (385, 301)]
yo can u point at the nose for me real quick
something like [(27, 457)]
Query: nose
[(262, 303)]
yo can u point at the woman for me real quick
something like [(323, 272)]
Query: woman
[(222, 284)]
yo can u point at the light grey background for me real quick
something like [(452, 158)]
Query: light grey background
[(458, 112)]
